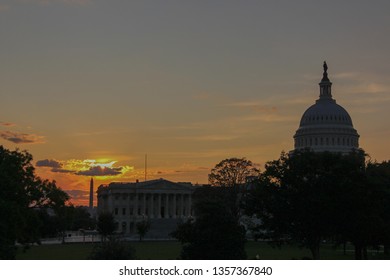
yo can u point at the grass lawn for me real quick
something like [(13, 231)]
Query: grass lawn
[(170, 250)]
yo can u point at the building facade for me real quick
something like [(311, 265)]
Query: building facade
[(162, 203), (326, 126)]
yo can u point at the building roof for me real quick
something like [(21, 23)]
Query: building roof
[(159, 184)]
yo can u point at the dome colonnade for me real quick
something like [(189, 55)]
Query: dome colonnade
[(326, 126)]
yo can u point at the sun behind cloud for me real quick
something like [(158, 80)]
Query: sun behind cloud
[(86, 167)]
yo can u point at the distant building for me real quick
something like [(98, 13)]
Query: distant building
[(162, 202), (326, 126)]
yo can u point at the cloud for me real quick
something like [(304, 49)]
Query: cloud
[(60, 170), (78, 194), (87, 167), (56, 166), (7, 124), (21, 138), (101, 171), (49, 163)]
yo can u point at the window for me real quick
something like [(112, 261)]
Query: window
[(116, 211), (123, 211)]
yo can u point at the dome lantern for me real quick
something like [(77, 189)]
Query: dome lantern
[(325, 84), (326, 126)]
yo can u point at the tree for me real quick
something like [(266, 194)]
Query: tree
[(106, 225), (369, 225), (21, 191), (142, 228), (215, 233), (305, 197), (111, 247), (232, 172)]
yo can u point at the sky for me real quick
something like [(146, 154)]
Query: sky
[(89, 87)]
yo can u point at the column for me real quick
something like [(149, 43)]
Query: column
[(128, 209), (188, 206), (181, 209), (151, 206), (135, 205), (174, 206), (143, 204), (166, 212), (159, 206), (110, 203)]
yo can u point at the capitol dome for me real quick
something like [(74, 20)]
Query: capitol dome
[(326, 126)]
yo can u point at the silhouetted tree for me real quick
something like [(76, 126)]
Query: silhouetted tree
[(142, 228), (111, 247), (379, 175), (306, 197), (215, 233), (21, 191), (232, 172), (106, 225), (81, 218)]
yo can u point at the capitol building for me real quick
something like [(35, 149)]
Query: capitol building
[(162, 203), (326, 126)]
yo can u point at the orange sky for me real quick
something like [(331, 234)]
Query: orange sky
[(189, 83)]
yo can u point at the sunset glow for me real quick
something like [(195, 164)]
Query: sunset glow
[(90, 87)]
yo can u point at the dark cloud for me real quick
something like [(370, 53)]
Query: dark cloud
[(8, 124), (77, 194), (99, 171), (21, 138), (49, 163), (60, 170)]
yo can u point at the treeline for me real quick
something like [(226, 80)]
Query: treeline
[(302, 198), (310, 198), (32, 208)]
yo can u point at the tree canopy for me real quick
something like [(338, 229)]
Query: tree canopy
[(309, 197), (106, 224), (22, 191), (215, 233), (232, 172)]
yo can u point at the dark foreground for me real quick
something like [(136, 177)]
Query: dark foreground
[(170, 250)]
